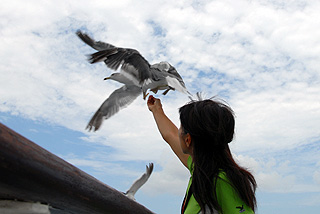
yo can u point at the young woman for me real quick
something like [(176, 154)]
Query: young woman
[(217, 183)]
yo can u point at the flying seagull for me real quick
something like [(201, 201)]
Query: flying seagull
[(160, 76), (138, 183), (137, 75)]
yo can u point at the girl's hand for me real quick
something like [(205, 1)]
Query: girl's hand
[(154, 104)]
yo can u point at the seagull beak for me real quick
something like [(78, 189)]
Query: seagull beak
[(106, 78)]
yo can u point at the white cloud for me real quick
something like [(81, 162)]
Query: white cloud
[(173, 177), (274, 182), (247, 162), (277, 175), (276, 118), (107, 168)]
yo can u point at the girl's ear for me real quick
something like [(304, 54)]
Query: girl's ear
[(188, 140)]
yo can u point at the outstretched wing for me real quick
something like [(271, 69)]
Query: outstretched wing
[(138, 183), (119, 99), (172, 70), (130, 60), (98, 45)]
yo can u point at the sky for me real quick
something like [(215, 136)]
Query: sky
[(262, 57)]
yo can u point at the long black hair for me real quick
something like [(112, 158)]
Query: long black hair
[(211, 127)]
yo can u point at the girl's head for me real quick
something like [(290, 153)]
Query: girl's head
[(209, 123)]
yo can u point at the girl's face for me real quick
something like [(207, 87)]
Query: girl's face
[(185, 141)]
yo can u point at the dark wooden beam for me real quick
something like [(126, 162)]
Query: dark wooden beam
[(30, 173)]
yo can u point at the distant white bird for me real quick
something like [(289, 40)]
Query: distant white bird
[(138, 183), (136, 74)]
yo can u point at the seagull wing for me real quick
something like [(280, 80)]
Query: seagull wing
[(138, 183), (172, 70), (175, 80), (120, 98), (176, 84), (98, 45), (166, 67), (166, 79), (130, 60)]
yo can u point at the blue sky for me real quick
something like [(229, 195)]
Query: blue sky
[(261, 56)]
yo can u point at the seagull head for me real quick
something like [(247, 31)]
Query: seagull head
[(114, 76)]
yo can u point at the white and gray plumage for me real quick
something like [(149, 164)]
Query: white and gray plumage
[(135, 72), (138, 183), (118, 99)]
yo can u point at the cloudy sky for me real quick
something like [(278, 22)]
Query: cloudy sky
[(262, 57)]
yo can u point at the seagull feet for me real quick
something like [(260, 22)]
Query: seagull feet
[(164, 93), (145, 95)]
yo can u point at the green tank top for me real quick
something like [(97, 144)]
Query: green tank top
[(227, 196)]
